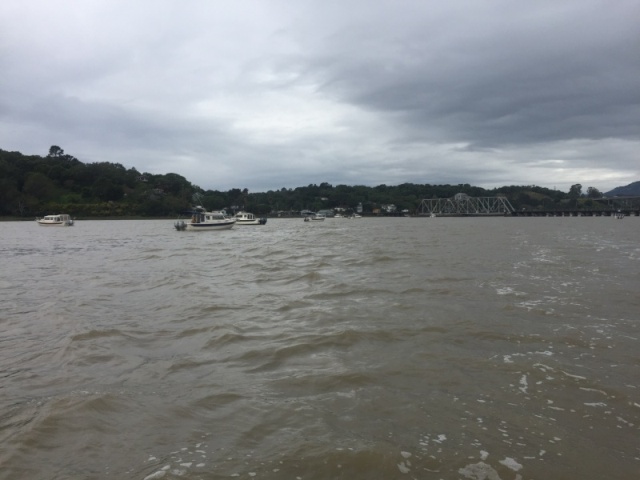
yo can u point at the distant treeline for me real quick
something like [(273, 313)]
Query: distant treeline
[(32, 185)]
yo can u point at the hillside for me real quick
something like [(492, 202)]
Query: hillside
[(631, 190), (31, 185)]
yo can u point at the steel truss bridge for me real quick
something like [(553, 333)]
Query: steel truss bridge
[(622, 203), (462, 205)]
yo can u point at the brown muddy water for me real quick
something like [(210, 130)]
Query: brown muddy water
[(401, 348)]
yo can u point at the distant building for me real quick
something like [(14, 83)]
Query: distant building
[(391, 208)]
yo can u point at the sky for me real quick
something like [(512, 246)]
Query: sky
[(271, 94)]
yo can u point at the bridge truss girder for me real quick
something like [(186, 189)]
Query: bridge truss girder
[(462, 205), (621, 202)]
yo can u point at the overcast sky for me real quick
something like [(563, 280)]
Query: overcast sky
[(266, 94)]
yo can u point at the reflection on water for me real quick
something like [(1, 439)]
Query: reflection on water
[(369, 348)]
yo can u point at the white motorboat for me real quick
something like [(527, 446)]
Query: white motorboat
[(246, 218), (58, 220), (202, 220), (318, 217)]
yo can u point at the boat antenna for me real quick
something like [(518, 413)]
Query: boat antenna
[(197, 198)]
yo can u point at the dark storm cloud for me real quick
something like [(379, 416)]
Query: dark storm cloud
[(546, 73), (271, 94)]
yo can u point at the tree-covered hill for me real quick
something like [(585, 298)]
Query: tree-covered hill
[(633, 189), (32, 185)]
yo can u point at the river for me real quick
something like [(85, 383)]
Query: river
[(393, 348)]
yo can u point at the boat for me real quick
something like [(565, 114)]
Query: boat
[(246, 218), (318, 217), (58, 220), (619, 215), (202, 220)]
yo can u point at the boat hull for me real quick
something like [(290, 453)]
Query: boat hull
[(60, 220), (257, 221), (202, 221), (201, 227)]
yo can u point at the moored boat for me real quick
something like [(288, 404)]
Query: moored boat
[(202, 220), (246, 218), (58, 220)]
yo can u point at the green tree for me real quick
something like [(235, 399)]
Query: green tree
[(39, 186), (575, 191), (9, 196), (107, 190), (55, 151), (593, 192)]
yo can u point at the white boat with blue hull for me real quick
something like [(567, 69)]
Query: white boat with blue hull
[(201, 221)]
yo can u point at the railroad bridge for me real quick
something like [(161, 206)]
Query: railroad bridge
[(462, 205), (609, 207), (576, 213)]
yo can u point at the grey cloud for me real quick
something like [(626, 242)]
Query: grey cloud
[(501, 83), (278, 94)]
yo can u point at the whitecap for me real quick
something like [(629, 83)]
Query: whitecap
[(525, 385), (479, 471), (577, 377), (546, 353), (594, 390), (155, 475), (511, 463)]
